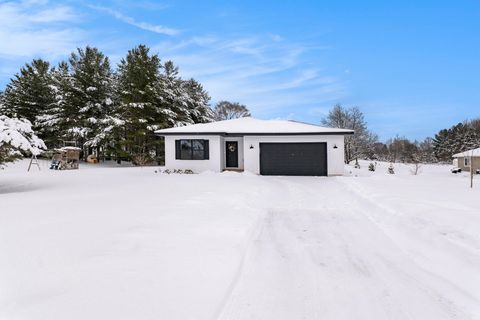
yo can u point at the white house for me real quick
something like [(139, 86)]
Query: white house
[(266, 147), (467, 160)]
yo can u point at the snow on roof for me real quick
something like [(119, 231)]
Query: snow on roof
[(468, 153), (253, 126), (68, 148)]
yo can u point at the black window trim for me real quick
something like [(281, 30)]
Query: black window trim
[(178, 149)]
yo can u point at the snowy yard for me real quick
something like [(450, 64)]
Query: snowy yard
[(126, 243)]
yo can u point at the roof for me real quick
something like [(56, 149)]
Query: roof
[(68, 149), (468, 153), (251, 126)]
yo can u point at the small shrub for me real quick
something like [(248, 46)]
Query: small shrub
[(178, 171), (357, 165), (416, 168), (391, 169), (167, 171), (140, 159), (371, 167), (188, 171)]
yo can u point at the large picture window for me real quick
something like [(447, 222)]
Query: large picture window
[(191, 149)]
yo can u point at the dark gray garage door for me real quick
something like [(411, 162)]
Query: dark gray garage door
[(293, 159)]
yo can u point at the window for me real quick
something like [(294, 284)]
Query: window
[(191, 149), (465, 162)]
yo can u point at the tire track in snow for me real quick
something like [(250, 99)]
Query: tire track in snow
[(366, 201), (254, 234), (313, 258)]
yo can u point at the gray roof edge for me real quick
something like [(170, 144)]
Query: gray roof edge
[(327, 133)]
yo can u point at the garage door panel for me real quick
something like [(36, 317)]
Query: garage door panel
[(298, 159)]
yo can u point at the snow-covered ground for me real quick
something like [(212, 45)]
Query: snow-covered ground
[(129, 243)]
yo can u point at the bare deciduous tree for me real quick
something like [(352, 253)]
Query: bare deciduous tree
[(225, 110), (362, 143)]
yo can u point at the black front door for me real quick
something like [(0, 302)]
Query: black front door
[(231, 148)]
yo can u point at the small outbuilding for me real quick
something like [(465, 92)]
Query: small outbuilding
[(266, 147), (467, 160)]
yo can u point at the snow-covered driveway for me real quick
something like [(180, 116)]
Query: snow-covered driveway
[(127, 243), (321, 255)]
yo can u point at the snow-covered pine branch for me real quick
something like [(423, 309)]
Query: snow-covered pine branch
[(17, 138)]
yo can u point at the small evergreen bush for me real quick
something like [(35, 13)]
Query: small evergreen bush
[(391, 169)]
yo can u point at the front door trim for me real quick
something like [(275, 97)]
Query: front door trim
[(231, 154)]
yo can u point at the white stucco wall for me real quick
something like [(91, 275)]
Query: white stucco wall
[(335, 157), (212, 164), (249, 159)]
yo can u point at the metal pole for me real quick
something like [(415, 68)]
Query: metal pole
[(471, 169)]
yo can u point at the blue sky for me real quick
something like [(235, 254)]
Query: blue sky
[(413, 67)]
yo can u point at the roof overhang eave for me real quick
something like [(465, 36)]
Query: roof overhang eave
[(253, 133)]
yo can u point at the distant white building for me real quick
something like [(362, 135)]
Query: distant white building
[(464, 160), (266, 147)]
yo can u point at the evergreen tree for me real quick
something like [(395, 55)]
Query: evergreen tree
[(90, 96), (56, 120), (117, 113), (3, 111), (441, 147), (16, 139), (29, 94), (173, 98), (459, 138), (198, 100), (183, 102), (138, 111)]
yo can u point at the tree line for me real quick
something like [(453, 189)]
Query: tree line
[(364, 144), (105, 111), (114, 112)]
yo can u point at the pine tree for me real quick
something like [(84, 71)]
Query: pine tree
[(172, 97), (29, 94), (183, 102), (90, 96), (199, 110), (138, 111), (440, 145), (459, 138), (3, 111), (82, 100), (16, 139), (56, 120)]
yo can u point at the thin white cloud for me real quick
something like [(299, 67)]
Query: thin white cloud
[(57, 14), (47, 43), (25, 13), (264, 72), (275, 37), (139, 24), (27, 29), (30, 28), (269, 73)]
